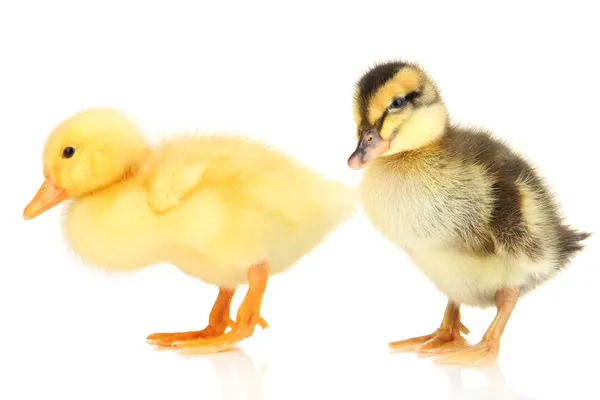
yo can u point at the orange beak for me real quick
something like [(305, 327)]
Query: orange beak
[(47, 196)]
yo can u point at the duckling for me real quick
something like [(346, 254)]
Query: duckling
[(470, 212), (221, 208)]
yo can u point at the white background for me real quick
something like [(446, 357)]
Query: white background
[(284, 72)]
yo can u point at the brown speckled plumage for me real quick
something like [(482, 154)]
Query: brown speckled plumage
[(477, 196), (471, 213)]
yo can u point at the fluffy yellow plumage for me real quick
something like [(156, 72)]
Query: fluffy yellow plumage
[(224, 209)]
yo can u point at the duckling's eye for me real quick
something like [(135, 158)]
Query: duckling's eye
[(397, 103), (68, 152)]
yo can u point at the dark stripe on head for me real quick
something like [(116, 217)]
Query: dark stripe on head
[(413, 96), (371, 81)]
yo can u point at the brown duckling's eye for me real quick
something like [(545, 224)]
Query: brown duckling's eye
[(397, 103), (68, 152), (369, 138)]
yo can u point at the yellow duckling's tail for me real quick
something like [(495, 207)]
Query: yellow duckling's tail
[(315, 208)]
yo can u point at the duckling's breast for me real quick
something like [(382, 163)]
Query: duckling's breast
[(113, 231), (426, 202)]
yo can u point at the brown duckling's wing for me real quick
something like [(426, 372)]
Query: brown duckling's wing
[(525, 219)]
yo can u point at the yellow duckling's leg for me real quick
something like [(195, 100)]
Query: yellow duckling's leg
[(486, 351), (218, 321), (248, 317), (446, 338)]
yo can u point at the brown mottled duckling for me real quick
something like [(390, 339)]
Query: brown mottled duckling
[(471, 213)]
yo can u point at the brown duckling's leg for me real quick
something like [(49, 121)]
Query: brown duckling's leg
[(486, 351), (446, 337), (248, 317), (218, 321)]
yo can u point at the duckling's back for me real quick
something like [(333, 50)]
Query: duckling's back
[(248, 203)]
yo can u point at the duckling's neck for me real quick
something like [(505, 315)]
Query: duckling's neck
[(130, 175), (426, 127), (130, 172)]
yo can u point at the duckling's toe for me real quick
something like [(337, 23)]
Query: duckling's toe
[(438, 346), (440, 340), (167, 339), (217, 344), (410, 345), (481, 354), (242, 329)]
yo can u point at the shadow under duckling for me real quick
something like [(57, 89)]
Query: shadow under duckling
[(470, 212), (223, 209)]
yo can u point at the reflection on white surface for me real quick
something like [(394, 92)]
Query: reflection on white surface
[(239, 377), (496, 387)]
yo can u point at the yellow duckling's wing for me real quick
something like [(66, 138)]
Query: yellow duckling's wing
[(173, 172)]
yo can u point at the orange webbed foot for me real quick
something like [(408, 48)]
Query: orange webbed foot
[(412, 344), (438, 342), (446, 338), (219, 343), (167, 339), (481, 354), (442, 346), (218, 322)]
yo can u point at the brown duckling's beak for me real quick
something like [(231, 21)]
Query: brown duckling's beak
[(47, 196), (370, 146)]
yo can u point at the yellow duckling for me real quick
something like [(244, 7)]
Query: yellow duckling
[(223, 209)]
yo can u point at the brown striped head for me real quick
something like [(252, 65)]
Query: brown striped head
[(396, 108)]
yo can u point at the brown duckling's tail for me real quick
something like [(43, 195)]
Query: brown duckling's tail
[(570, 241)]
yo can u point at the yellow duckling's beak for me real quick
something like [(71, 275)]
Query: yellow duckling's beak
[(47, 196)]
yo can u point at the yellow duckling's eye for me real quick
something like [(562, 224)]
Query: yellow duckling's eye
[(68, 152)]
